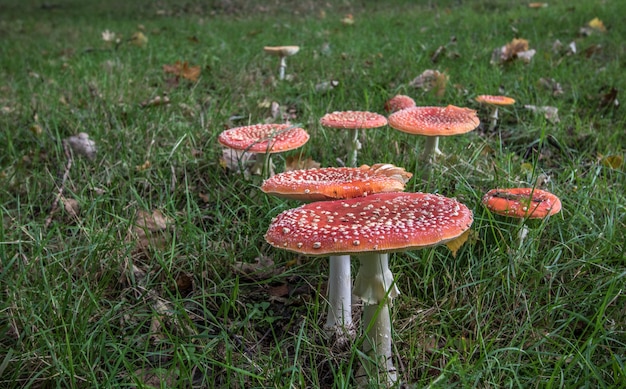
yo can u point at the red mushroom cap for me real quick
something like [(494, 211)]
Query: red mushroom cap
[(333, 183), (399, 102), (528, 203), (378, 223), (435, 121), (264, 138), (353, 120), (495, 100)]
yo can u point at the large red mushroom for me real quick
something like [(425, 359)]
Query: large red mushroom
[(371, 227)]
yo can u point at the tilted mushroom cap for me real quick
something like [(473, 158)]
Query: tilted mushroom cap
[(383, 222), (336, 182), (264, 138), (399, 102), (282, 51), (353, 120), (495, 100), (528, 203), (435, 121)]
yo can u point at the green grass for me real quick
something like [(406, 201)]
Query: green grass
[(82, 306)]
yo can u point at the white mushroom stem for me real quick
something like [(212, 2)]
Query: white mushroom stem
[(353, 147), (263, 164), (431, 149), (374, 284), (339, 321), (282, 67), (494, 118)]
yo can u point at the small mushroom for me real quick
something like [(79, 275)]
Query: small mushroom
[(399, 102), (493, 102), (264, 140), (371, 227), (522, 203), (353, 121), (434, 122), (282, 52)]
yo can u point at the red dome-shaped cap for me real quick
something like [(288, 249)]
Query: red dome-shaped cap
[(264, 138), (378, 223), (435, 121), (528, 203), (333, 183)]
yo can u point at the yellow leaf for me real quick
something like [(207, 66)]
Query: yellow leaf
[(597, 24), (455, 244), (139, 39), (183, 69), (612, 161), (527, 167)]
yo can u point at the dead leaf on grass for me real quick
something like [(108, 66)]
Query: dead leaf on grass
[(149, 229), (155, 101), (299, 163), (612, 161), (550, 113), (82, 145), (552, 85), (537, 5), (597, 25), (184, 70), (138, 39), (431, 80), (71, 206), (261, 269), (516, 49), (609, 99)]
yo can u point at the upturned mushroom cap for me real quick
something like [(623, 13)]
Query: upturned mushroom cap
[(399, 102), (282, 51), (353, 120), (333, 183), (495, 100), (264, 138), (527, 203), (435, 121), (378, 223)]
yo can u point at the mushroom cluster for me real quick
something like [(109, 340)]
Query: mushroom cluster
[(331, 184)]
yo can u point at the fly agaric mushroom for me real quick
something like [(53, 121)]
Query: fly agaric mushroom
[(434, 122), (283, 52), (522, 203), (334, 183), (353, 121), (494, 102), (264, 140), (399, 102), (371, 227)]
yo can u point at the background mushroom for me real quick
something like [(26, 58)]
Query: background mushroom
[(334, 183), (353, 121), (522, 203), (399, 102), (493, 102), (371, 227), (434, 122), (263, 140), (282, 52)]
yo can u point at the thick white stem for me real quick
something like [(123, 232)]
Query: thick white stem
[(283, 66), (494, 119), (263, 165), (339, 321), (374, 284), (431, 149), (353, 147)]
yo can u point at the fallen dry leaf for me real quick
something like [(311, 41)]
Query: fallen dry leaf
[(552, 85), (145, 166), (138, 39), (71, 206), (537, 5), (455, 244), (609, 99), (431, 80), (612, 161), (298, 163), (550, 113), (261, 269), (516, 49), (347, 20), (597, 25), (82, 145), (182, 69), (152, 221), (155, 101)]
